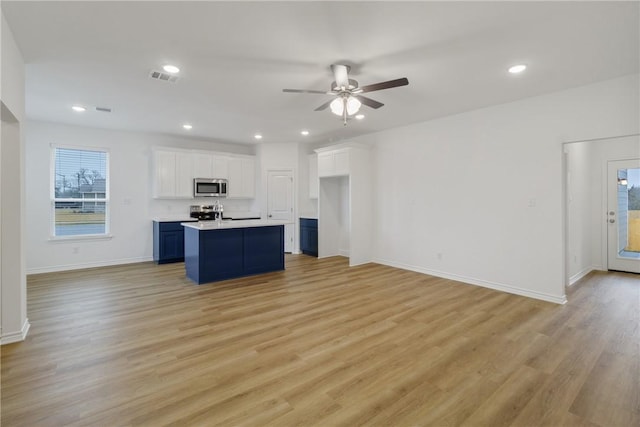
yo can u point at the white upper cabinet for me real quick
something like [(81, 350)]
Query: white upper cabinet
[(333, 163), (184, 181), (174, 171), (242, 178), (164, 165), (208, 165), (220, 167), (172, 174), (202, 165), (313, 176)]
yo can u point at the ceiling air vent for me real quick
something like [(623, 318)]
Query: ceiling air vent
[(159, 75), (103, 109)]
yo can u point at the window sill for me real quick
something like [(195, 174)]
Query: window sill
[(62, 239)]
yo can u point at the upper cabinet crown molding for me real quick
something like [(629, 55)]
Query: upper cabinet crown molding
[(343, 145)]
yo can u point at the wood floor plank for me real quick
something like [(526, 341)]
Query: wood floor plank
[(320, 344)]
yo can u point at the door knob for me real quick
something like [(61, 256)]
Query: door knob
[(612, 220), (612, 213), (270, 215)]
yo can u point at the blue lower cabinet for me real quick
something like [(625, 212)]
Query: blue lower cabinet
[(309, 236), (263, 249), (168, 242), (212, 255)]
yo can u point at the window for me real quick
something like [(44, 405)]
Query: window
[(80, 192)]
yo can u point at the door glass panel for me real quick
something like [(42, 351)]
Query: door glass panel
[(629, 213)]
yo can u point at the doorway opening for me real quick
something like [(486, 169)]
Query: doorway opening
[(623, 215), (601, 228)]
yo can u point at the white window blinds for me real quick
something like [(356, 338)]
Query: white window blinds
[(80, 192)]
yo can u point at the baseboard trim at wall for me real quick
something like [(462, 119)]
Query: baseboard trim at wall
[(579, 275), (67, 267), (478, 282), (16, 336)]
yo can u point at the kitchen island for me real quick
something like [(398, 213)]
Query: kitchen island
[(220, 250)]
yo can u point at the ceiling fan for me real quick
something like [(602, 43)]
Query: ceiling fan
[(347, 93)]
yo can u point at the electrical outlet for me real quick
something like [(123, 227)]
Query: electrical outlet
[(75, 250), (439, 254)]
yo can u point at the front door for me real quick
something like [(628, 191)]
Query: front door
[(623, 215), (280, 202)]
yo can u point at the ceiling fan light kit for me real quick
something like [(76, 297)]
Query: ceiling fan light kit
[(349, 103), (348, 93)]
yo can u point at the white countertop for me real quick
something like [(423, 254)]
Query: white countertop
[(218, 225), (173, 218)]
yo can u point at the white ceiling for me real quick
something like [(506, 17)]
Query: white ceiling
[(236, 57)]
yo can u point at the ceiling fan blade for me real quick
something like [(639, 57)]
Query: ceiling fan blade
[(369, 102), (341, 73), (323, 106), (385, 85), (322, 92)]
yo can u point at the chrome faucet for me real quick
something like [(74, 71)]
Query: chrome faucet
[(218, 209)]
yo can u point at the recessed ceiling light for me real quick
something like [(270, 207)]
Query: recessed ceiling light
[(171, 69), (187, 126), (78, 108), (517, 69), (257, 136), (359, 116), (304, 132)]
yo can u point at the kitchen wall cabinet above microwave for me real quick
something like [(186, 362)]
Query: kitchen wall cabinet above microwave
[(174, 171), (207, 165)]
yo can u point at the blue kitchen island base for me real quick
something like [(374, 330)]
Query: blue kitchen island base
[(227, 253)]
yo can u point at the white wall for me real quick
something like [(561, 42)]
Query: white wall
[(478, 197), (13, 307), (334, 217), (580, 233), (343, 198), (306, 206), (12, 72), (131, 209)]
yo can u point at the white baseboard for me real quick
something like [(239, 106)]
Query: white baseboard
[(478, 282), (66, 267), (16, 336), (579, 275)]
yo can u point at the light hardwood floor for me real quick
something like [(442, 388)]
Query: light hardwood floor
[(320, 344)]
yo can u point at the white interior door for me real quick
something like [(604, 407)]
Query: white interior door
[(623, 215), (280, 203)]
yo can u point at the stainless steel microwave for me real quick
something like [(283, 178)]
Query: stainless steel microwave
[(210, 187)]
